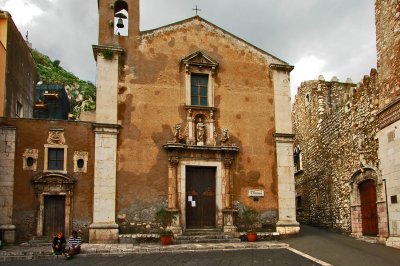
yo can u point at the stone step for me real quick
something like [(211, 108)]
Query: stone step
[(204, 236), (205, 240), (210, 236), (189, 232)]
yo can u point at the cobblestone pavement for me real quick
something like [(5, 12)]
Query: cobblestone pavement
[(255, 257)]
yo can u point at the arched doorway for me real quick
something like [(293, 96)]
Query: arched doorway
[(369, 213)]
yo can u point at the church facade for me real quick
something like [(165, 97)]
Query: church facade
[(188, 117)]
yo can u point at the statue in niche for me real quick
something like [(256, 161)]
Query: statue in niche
[(200, 132), (225, 137)]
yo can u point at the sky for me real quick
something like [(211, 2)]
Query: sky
[(318, 37)]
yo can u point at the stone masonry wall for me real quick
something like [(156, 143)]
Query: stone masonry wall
[(335, 128), (388, 48)]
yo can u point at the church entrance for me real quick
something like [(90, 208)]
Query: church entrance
[(369, 214), (200, 197), (54, 215)]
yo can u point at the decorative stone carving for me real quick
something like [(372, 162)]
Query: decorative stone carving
[(56, 136), (29, 159), (178, 137), (80, 161), (225, 137)]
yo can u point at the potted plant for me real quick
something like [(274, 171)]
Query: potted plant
[(165, 218), (249, 218)]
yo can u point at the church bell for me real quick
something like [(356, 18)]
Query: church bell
[(120, 23)]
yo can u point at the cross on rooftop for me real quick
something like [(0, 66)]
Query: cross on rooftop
[(196, 9)]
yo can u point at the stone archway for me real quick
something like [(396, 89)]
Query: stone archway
[(53, 185), (362, 177)]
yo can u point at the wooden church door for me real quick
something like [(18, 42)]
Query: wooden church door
[(54, 215), (369, 214), (200, 197)]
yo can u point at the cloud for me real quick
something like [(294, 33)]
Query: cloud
[(23, 12), (335, 37), (308, 68)]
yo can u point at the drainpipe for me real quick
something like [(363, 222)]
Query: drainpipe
[(387, 208)]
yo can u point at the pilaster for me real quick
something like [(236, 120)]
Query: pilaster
[(287, 223), (7, 162), (104, 228), (108, 60)]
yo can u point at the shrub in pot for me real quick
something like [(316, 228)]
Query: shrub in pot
[(165, 218), (249, 218)]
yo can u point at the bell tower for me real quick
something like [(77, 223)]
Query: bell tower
[(118, 32), (118, 22)]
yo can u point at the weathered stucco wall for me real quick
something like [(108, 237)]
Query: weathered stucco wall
[(152, 98), (335, 126)]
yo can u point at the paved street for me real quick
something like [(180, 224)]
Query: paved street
[(241, 257), (341, 250)]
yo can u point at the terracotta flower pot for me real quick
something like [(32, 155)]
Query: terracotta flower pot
[(251, 236), (166, 240)]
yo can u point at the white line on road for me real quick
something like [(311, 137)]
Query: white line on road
[(308, 257)]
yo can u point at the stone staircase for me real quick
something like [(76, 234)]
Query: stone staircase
[(38, 241), (204, 236)]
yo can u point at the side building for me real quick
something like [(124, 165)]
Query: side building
[(338, 184), (18, 73), (388, 43)]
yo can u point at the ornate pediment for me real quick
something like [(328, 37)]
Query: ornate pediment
[(53, 178), (200, 59)]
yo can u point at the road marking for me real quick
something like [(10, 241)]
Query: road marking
[(308, 257)]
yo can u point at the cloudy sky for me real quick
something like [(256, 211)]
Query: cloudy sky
[(329, 37)]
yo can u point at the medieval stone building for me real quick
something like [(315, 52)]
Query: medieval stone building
[(348, 144), (336, 157), (188, 116)]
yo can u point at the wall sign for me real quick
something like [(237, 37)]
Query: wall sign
[(256, 193)]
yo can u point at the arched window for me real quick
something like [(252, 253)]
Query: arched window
[(297, 159), (121, 18)]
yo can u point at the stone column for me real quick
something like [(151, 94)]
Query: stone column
[(173, 183), (287, 223), (228, 211), (191, 132), (211, 141), (173, 205), (7, 161)]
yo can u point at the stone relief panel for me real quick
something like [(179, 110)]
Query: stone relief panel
[(56, 136)]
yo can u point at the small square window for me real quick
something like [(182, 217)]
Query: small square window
[(55, 159), (393, 199)]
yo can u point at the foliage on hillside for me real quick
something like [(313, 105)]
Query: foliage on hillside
[(82, 94)]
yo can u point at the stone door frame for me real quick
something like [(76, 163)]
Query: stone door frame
[(54, 184), (360, 176), (218, 188)]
